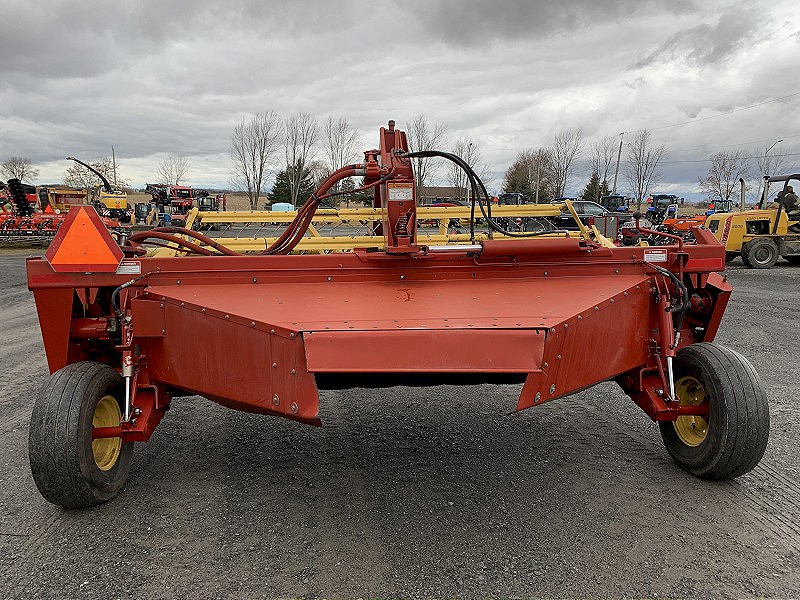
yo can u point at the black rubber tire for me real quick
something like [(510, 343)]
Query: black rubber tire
[(60, 437), (738, 423), (537, 224), (760, 253)]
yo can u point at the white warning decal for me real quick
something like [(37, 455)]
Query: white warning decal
[(129, 267)]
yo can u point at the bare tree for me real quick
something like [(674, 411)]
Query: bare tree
[(78, 176), (19, 167), (172, 169), (319, 171), (722, 180), (530, 175), (768, 165), (643, 160), (567, 146), (253, 143), (300, 131), (423, 136), (469, 151), (603, 153), (340, 144)]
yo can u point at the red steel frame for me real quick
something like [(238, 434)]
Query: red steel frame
[(259, 333)]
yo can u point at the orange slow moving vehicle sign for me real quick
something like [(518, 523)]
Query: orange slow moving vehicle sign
[(83, 244)]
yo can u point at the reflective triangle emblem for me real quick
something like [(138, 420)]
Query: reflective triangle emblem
[(83, 244)]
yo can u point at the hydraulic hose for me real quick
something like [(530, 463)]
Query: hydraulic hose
[(297, 228), (479, 189)]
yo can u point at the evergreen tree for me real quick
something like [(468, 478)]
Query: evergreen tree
[(592, 191), (282, 192), (604, 190)]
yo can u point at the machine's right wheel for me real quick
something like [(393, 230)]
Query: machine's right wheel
[(760, 253), (732, 440), (69, 467)]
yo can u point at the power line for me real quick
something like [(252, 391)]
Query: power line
[(673, 162), (708, 149), (730, 112)]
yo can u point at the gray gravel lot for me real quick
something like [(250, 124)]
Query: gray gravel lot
[(432, 492)]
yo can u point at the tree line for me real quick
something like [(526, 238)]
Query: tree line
[(302, 152)]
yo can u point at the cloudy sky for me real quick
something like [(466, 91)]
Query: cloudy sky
[(156, 77)]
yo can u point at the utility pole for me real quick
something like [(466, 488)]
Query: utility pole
[(619, 155)]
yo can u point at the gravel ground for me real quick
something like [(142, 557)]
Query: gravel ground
[(432, 492)]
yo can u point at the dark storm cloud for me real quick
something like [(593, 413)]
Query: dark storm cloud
[(709, 44), (471, 22)]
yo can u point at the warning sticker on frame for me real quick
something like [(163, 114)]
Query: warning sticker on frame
[(401, 191), (654, 256), (129, 267)]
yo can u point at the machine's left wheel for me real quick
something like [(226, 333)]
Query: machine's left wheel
[(732, 440), (69, 468)]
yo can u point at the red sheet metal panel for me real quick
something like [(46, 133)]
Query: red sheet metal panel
[(594, 345), (502, 303), (235, 363), (54, 307), (432, 351)]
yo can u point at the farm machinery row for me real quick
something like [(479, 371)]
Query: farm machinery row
[(34, 219), (131, 328)]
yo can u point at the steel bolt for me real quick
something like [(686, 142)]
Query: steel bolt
[(276, 400), (558, 357), (545, 273), (545, 365), (294, 408), (161, 305), (566, 325), (163, 332), (597, 308), (553, 388), (402, 276), (227, 317), (252, 323), (272, 331), (137, 411), (291, 335), (538, 397), (255, 279), (178, 282), (294, 371), (274, 365), (580, 318), (330, 278)]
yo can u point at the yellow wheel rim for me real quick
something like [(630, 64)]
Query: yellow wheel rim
[(691, 430), (106, 450)]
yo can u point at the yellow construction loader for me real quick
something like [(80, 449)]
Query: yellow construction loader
[(761, 236)]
